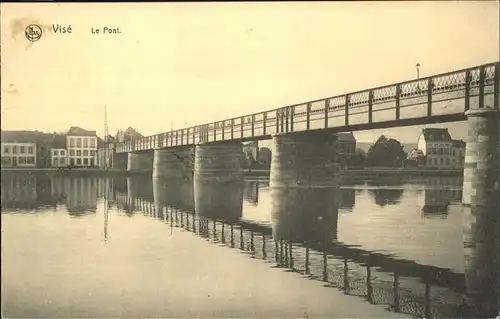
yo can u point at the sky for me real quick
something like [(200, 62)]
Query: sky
[(184, 64)]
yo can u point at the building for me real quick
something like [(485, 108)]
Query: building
[(106, 155), (417, 157), (458, 153), (82, 147), (346, 147), (19, 148), (59, 154), (436, 145), (128, 135), (59, 157)]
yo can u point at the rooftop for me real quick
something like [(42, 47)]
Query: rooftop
[(458, 143), (78, 131), (20, 136), (436, 134), (346, 137)]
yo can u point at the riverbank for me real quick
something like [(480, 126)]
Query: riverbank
[(374, 172), (364, 172), (65, 172)]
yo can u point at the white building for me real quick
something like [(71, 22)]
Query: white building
[(59, 157), (436, 145), (82, 147), (18, 154)]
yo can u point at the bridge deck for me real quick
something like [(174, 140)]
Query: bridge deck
[(439, 98)]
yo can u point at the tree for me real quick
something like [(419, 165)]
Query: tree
[(358, 158), (386, 152)]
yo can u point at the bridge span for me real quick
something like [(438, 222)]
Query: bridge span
[(304, 152)]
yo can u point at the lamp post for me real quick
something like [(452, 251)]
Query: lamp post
[(418, 70)]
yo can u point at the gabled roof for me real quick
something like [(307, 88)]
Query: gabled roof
[(100, 142), (59, 141), (20, 136), (458, 143), (436, 134), (254, 144), (345, 137), (78, 131)]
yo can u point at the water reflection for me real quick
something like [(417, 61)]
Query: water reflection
[(305, 214), (251, 193), (140, 187), (19, 191), (347, 198), (36, 191), (437, 195), (219, 200), (482, 257), (302, 243), (302, 233), (178, 193)]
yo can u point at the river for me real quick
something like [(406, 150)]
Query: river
[(136, 247)]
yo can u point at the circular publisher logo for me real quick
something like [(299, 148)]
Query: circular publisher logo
[(33, 32)]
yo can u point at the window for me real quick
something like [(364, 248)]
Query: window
[(56, 153), (62, 152), (14, 149), (22, 149), (54, 162), (62, 161), (441, 161), (440, 151), (85, 142), (30, 160), (78, 142), (447, 161), (78, 161), (446, 151), (22, 160), (92, 153), (78, 153), (85, 161), (71, 142), (30, 149), (6, 150), (92, 142), (85, 153), (6, 160), (71, 152)]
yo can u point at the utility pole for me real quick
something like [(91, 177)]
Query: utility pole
[(105, 137)]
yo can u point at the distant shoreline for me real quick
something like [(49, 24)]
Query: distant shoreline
[(379, 171), (368, 171)]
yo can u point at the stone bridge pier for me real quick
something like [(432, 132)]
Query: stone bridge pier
[(304, 160), (140, 162), (218, 180), (173, 163), (304, 187), (481, 214), (219, 162), (120, 161)]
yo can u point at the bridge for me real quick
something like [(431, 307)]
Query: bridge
[(215, 149), (304, 149)]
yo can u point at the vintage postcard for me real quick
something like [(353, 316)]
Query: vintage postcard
[(250, 159)]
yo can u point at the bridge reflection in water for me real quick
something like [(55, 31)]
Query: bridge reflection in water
[(302, 239)]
